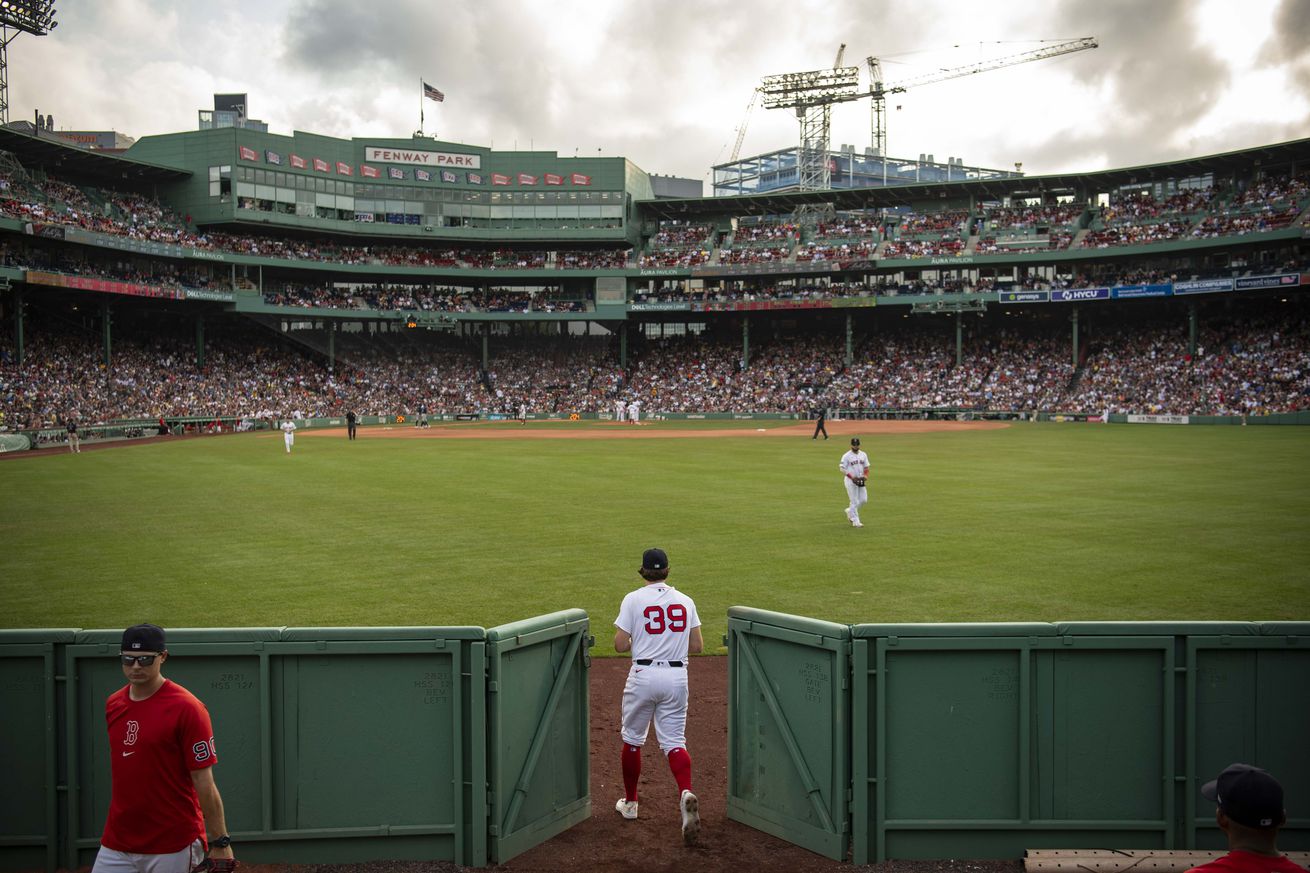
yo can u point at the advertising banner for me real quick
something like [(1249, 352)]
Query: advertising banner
[(1127, 292), (1280, 280), (659, 307), (1157, 419), (1025, 297), (1073, 295), (207, 294), (1202, 286)]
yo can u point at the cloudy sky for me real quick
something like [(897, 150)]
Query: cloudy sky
[(666, 82)]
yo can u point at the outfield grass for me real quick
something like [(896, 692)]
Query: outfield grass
[(1032, 522)]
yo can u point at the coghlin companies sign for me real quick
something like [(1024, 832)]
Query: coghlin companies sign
[(426, 159)]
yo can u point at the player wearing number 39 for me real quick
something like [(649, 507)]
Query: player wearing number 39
[(855, 467), (659, 625), (163, 800)]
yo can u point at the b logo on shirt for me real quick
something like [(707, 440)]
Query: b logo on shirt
[(133, 728)]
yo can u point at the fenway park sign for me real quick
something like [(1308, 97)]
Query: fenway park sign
[(425, 159)]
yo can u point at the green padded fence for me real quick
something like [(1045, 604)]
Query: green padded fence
[(788, 728), (538, 723), (983, 740), (29, 747), (334, 745)]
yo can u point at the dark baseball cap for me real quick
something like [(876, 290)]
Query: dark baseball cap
[(143, 638), (654, 559), (855, 441), (1247, 795)]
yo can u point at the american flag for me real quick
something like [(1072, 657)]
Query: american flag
[(433, 93)]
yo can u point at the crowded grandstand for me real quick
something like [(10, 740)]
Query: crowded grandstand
[(145, 289)]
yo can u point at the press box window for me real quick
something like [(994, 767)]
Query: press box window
[(220, 183)]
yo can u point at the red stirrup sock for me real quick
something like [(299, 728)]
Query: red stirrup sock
[(631, 770), (680, 764)]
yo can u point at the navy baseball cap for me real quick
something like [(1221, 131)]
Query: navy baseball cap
[(1247, 795), (143, 638), (654, 559), (855, 441)]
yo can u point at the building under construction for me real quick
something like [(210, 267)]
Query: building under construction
[(778, 171)]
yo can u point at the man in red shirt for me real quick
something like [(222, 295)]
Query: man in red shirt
[(1250, 813), (161, 746)]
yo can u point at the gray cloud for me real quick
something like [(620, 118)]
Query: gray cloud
[(662, 83), (1289, 44)]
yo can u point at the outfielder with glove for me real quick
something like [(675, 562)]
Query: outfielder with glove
[(855, 467), (161, 745), (659, 625)]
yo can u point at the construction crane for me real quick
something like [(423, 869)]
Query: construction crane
[(741, 128), (878, 91)]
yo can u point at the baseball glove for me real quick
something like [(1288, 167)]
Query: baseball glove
[(216, 865), (859, 481)]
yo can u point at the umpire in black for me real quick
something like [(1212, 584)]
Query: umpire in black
[(350, 424), (820, 413)]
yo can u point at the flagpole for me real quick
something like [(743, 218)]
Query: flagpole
[(420, 104)]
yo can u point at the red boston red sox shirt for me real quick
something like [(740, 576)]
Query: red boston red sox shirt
[(155, 744), (1238, 861)]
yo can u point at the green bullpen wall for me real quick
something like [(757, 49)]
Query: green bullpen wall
[(983, 740), (335, 744)]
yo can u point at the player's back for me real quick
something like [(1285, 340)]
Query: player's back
[(659, 618)]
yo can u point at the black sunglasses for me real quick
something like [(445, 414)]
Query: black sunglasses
[(143, 660)]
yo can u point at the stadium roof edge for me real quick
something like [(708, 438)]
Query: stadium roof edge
[(34, 151), (1294, 151)]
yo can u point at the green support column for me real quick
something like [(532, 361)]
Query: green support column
[(332, 346), (959, 338), (486, 330), (104, 316), (1191, 329), (623, 344), (745, 342), (1074, 319), (18, 323), (200, 341), (850, 344)]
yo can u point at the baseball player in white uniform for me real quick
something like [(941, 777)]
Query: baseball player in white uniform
[(855, 465), (619, 407), (289, 434), (634, 411), (659, 625)]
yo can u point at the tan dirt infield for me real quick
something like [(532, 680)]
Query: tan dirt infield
[(591, 430)]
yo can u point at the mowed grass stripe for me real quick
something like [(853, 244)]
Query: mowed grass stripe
[(1033, 522)]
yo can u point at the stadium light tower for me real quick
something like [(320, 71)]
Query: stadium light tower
[(36, 17), (812, 94)]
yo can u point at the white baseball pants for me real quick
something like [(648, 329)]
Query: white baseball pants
[(858, 497), (656, 693)]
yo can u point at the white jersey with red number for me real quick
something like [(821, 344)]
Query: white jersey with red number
[(659, 618)]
